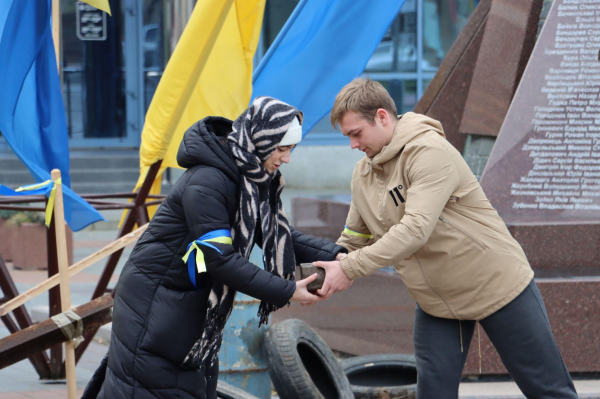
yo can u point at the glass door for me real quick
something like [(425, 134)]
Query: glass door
[(103, 78)]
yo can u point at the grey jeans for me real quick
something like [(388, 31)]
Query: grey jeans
[(521, 334)]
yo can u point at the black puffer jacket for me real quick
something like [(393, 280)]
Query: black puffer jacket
[(158, 314)]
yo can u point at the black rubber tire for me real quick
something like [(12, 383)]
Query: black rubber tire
[(382, 376), (301, 365), (228, 391)]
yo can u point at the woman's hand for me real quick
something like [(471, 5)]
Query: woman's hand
[(301, 295)]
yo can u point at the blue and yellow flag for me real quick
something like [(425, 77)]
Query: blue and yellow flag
[(32, 112)]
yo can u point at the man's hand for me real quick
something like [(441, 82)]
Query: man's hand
[(302, 296), (335, 279)]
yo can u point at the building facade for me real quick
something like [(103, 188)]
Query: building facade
[(108, 84)]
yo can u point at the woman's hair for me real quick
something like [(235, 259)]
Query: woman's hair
[(224, 138), (363, 96)]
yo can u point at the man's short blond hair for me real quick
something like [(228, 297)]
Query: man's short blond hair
[(363, 96)]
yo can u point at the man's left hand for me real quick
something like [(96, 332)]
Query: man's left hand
[(335, 279)]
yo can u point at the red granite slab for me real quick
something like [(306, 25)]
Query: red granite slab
[(376, 315), (445, 96), (319, 218), (573, 307), (507, 43)]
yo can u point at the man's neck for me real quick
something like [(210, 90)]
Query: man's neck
[(390, 133)]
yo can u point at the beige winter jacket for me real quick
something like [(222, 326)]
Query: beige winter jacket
[(417, 206)]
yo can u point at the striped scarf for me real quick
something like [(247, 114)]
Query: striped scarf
[(255, 136)]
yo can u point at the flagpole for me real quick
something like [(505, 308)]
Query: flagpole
[(57, 35)]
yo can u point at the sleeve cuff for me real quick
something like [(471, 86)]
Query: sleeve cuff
[(287, 294), (339, 250), (347, 268)]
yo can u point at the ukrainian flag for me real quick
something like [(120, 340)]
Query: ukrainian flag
[(32, 112)]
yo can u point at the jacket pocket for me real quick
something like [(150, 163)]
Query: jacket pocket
[(470, 237)]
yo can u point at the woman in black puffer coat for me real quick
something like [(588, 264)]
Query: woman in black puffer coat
[(167, 330)]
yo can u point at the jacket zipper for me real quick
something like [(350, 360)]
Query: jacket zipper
[(463, 233)]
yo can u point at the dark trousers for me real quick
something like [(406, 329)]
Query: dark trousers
[(521, 334)]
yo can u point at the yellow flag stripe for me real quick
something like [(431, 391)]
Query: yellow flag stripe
[(100, 5), (219, 40)]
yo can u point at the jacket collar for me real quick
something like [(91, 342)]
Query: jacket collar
[(410, 126)]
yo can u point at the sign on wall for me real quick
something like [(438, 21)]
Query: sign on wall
[(91, 22)]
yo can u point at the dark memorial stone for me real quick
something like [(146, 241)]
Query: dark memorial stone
[(543, 175), (545, 166)]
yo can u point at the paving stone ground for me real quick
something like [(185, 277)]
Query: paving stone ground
[(20, 380)]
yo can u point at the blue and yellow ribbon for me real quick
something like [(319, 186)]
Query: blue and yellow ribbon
[(196, 263), (45, 188), (356, 234)]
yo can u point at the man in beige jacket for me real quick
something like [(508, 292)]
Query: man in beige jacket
[(417, 206)]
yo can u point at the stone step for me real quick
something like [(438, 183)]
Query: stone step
[(91, 171), (102, 188), (11, 163), (108, 175), (80, 162), (98, 176), (14, 179), (105, 162)]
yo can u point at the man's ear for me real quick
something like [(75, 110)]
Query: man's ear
[(382, 116)]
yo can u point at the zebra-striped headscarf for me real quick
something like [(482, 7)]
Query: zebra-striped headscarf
[(255, 136)]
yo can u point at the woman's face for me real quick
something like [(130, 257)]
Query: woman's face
[(280, 156)]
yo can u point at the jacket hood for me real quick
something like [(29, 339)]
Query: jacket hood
[(410, 126), (201, 145)]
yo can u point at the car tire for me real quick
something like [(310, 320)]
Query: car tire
[(382, 376), (301, 365), (228, 391)]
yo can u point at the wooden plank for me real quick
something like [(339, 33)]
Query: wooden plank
[(40, 361), (44, 335), (56, 352), (63, 274), (73, 270)]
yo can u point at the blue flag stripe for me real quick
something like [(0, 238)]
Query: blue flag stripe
[(32, 113), (324, 45)]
